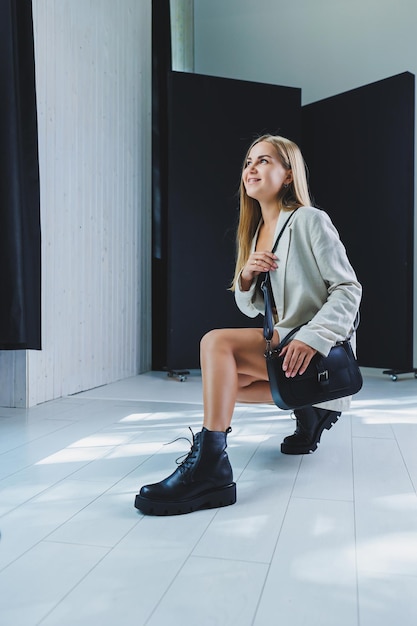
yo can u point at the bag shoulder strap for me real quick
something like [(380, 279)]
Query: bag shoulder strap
[(267, 289), (282, 230)]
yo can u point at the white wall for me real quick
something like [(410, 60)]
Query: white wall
[(182, 35), (324, 47), (93, 77)]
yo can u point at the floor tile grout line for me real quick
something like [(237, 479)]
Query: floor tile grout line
[(225, 559), (198, 403), (85, 576), (181, 567), (51, 486), (290, 497), (355, 530), (404, 461), (51, 434), (69, 476), (35, 439), (320, 499), (45, 538)]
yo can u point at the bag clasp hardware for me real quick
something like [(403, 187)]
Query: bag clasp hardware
[(323, 377)]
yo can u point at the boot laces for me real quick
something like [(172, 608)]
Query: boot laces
[(184, 461)]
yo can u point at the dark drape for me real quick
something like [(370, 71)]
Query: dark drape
[(359, 146), (19, 181), (161, 66), (209, 131)]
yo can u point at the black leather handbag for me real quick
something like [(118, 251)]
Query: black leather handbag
[(326, 378)]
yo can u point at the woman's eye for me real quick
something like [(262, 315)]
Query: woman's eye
[(249, 163)]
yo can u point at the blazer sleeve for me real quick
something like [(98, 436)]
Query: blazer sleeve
[(334, 320), (249, 302)]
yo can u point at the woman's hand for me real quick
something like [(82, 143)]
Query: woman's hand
[(257, 263), (297, 357)]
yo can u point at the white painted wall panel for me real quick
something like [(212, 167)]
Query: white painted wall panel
[(93, 74), (182, 35)]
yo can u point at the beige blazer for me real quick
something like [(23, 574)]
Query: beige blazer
[(314, 283)]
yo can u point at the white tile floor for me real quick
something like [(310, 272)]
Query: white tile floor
[(325, 539)]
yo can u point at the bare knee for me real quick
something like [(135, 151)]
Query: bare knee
[(213, 341)]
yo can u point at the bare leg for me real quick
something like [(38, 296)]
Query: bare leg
[(233, 368), (253, 390)]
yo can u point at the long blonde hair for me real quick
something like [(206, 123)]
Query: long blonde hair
[(289, 198)]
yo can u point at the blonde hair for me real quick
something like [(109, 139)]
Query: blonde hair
[(289, 198)]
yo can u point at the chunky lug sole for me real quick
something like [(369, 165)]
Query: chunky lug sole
[(211, 499), (307, 448)]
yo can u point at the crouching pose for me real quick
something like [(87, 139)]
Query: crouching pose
[(312, 283)]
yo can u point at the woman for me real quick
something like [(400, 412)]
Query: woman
[(312, 281)]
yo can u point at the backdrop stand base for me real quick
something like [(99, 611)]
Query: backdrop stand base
[(180, 375), (395, 373)]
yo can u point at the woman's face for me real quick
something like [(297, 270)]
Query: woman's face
[(264, 175)]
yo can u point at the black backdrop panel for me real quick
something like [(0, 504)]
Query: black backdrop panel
[(211, 123), (20, 240), (359, 146)]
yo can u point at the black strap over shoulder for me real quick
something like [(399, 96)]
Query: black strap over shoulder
[(282, 230), (267, 290)]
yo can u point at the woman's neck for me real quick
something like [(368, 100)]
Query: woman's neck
[(270, 215)]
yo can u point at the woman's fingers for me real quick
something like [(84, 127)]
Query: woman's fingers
[(257, 263), (263, 261), (297, 356)]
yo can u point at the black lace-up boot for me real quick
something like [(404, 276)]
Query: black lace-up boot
[(204, 480), (311, 421)]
